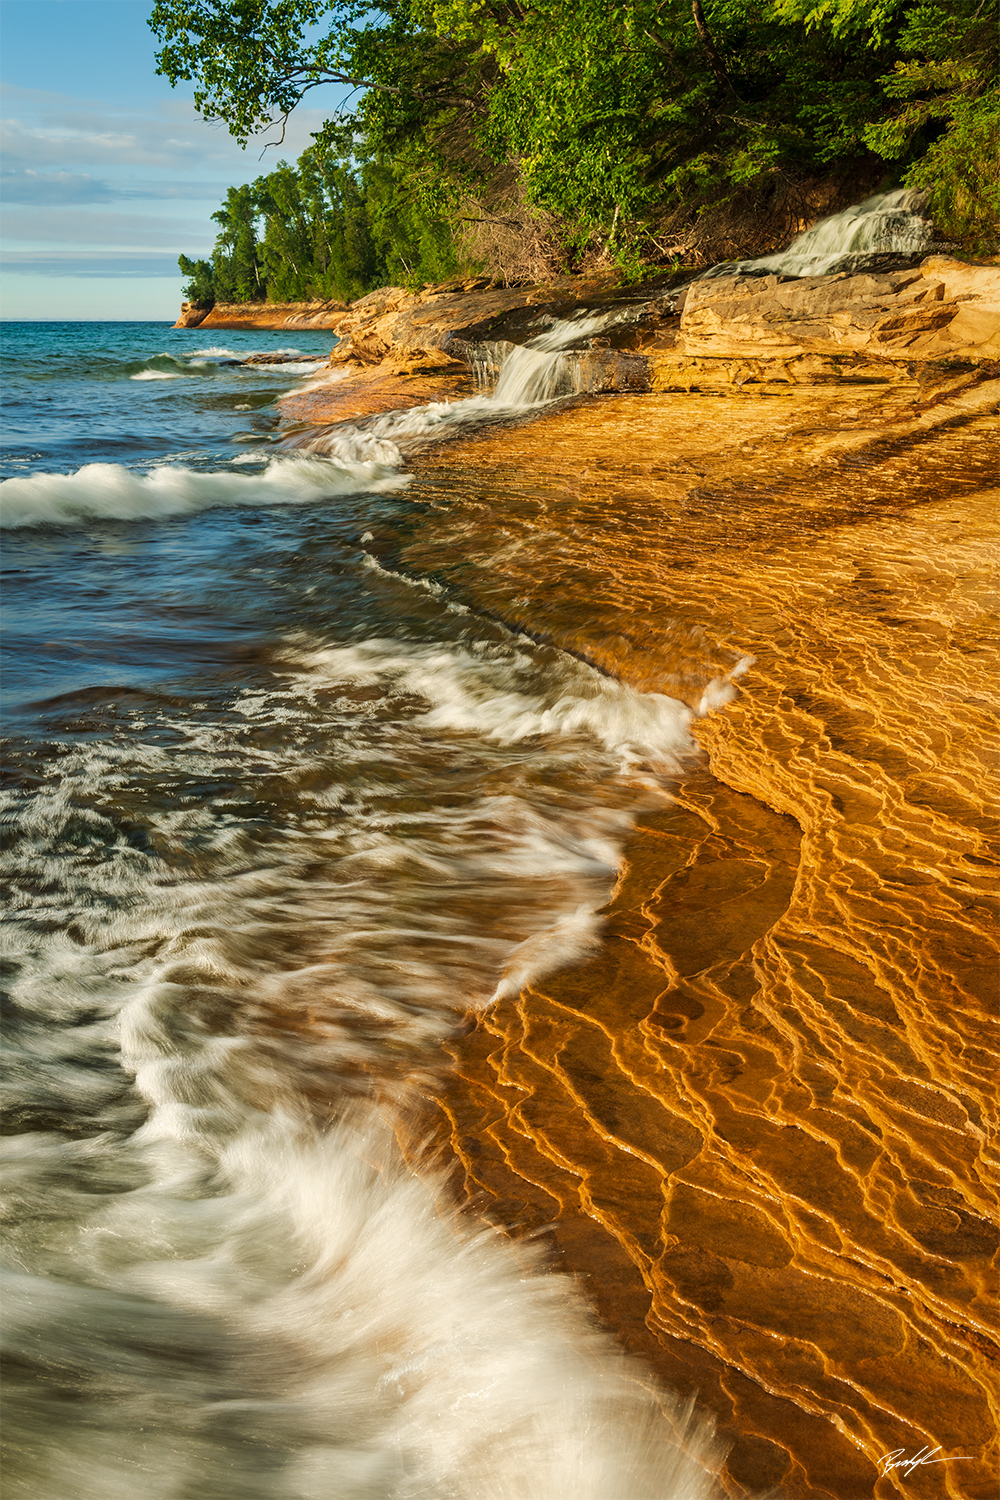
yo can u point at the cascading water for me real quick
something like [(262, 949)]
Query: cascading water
[(886, 224), (528, 376)]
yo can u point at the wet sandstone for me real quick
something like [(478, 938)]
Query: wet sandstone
[(758, 1123), (399, 349)]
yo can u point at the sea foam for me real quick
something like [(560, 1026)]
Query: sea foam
[(111, 492)]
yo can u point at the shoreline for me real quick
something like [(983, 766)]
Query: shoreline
[(746, 1124), (715, 334)]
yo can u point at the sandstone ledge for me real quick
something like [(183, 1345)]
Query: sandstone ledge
[(262, 315), (397, 348), (941, 309)]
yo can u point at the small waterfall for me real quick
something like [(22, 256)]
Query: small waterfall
[(538, 371), (523, 377), (886, 224)]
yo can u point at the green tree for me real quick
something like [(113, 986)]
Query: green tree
[(236, 263), (200, 290), (604, 113)]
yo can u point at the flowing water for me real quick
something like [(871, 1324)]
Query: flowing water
[(887, 224), (277, 817), (325, 755)]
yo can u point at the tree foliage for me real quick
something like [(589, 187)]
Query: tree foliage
[(325, 228), (608, 114)]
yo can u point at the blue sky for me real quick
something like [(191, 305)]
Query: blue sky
[(108, 173)]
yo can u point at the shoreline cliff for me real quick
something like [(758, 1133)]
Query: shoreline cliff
[(397, 348)]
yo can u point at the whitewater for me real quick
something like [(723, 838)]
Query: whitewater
[(279, 816)]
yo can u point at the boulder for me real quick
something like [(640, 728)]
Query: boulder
[(190, 316)]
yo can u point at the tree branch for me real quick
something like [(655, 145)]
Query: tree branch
[(462, 101), (715, 62)]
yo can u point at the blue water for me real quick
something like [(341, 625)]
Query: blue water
[(78, 393), (276, 817)]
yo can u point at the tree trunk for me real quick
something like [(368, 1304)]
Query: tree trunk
[(714, 60)]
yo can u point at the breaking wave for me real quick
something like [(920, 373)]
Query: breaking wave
[(113, 492)]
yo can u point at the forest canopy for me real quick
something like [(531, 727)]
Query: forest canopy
[(529, 138)]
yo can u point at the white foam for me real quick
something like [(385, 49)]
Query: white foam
[(888, 223), (490, 693), (160, 375), (329, 375), (355, 1337), (112, 492), (248, 1293), (217, 351), (289, 367), (532, 376)]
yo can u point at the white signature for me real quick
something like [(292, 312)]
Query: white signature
[(897, 1460)]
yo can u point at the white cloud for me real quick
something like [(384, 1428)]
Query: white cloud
[(62, 132), (76, 169), (97, 142), (55, 189), (26, 186)]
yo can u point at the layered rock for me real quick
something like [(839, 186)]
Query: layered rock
[(722, 334), (757, 1123), (263, 315), (943, 309)]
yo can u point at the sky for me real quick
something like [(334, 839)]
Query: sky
[(107, 174)]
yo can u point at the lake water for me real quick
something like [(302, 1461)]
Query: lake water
[(278, 816)]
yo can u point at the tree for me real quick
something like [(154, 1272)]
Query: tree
[(200, 290), (236, 260), (605, 115)]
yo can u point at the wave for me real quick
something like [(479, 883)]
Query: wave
[(219, 351), (161, 375), (164, 367), (494, 691), (265, 1303), (111, 492), (209, 362), (289, 367), (324, 1325)]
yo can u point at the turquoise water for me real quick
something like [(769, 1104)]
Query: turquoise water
[(276, 818)]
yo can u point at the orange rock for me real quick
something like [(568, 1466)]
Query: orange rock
[(756, 1123), (942, 309)]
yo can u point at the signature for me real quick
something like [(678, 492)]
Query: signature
[(897, 1460)]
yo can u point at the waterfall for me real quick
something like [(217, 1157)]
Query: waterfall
[(535, 373), (886, 224), (524, 377)]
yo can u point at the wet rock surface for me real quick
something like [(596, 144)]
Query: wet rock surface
[(713, 335), (756, 1123)]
